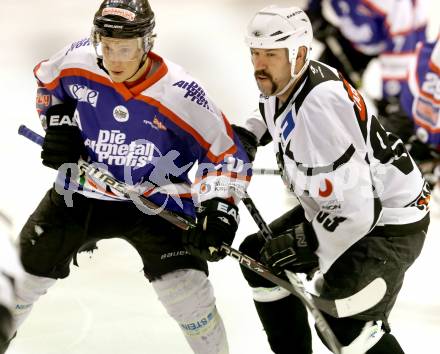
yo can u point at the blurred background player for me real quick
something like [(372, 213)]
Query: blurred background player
[(356, 31), (112, 101), (420, 101), (11, 274), (364, 205)]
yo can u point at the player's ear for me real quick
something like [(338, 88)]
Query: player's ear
[(302, 53)]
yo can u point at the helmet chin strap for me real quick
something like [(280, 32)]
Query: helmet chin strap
[(292, 80), (288, 85), (141, 64)]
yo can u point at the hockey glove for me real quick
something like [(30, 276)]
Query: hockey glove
[(248, 140), (291, 250), (393, 118), (422, 152), (63, 142), (217, 222)]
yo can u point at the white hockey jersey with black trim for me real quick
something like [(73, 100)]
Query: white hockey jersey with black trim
[(348, 173)]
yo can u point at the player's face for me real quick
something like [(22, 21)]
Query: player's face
[(121, 57), (272, 69)]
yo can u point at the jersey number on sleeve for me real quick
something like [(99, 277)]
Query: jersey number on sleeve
[(388, 148)]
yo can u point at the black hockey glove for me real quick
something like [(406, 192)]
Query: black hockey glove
[(248, 140), (393, 118), (422, 152), (292, 250), (63, 142), (217, 222)]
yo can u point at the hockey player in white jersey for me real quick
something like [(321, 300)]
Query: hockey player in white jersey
[(364, 206), (111, 100), (11, 274)]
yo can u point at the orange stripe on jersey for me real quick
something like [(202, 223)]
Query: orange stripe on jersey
[(119, 87), (434, 67), (374, 7), (429, 97), (423, 124), (151, 80), (186, 127), (38, 67), (228, 126), (398, 78), (407, 31)]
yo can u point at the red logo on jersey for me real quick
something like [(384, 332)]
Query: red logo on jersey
[(159, 124), (328, 189), (359, 103), (42, 100)]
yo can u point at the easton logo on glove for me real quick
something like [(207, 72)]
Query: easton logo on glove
[(228, 209), (217, 222), (58, 120)]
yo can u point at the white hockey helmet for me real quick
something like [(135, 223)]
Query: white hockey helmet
[(281, 27)]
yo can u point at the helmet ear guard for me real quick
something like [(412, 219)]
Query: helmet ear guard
[(278, 27)]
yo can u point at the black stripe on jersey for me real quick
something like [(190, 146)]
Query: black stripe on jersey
[(316, 74), (377, 208), (266, 138), (312, 171)]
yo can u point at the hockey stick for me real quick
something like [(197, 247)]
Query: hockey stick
[(338, 52), (359, 302), (336, 308), (93, 171), (265, 171), (181, 222), (363, 300), (298, 286)]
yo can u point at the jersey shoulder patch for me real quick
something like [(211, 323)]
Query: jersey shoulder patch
[(319, 72)]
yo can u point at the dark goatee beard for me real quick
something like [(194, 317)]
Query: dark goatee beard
[(269, 77)]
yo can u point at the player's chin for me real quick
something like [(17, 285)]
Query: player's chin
[(118, 76), (265, 88)]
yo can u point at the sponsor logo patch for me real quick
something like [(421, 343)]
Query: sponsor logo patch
[(119, 12), (82, 93), (43, 99), (194, 92), (82, 43), (112, 148), (120, 113)]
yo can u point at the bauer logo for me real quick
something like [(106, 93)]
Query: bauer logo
[(121, 114), (82, 93), (194, 92)]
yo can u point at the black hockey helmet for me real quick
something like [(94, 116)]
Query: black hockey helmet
[(124, 19)]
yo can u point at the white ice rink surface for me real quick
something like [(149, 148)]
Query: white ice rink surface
[(106, 305)]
